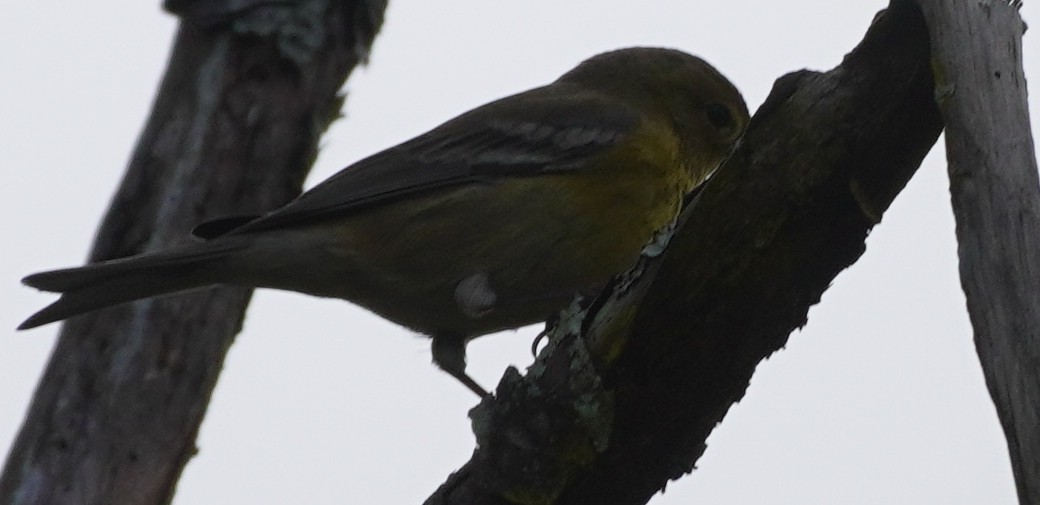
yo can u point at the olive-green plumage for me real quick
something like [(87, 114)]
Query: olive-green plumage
[(493, 220)]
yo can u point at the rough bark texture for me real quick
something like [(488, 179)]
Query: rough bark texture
[(981, 91), (234, 129), (821, 161)]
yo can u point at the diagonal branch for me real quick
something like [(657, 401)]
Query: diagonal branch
[(821, 161), (981, 91), (234, 128)]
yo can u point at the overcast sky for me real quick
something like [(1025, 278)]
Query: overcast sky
[(880, 399)]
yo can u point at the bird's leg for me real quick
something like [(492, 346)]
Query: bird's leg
[(449, 353)]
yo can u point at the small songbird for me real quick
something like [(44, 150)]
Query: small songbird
[(493, 220)]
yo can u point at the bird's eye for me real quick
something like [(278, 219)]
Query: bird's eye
[(719, 115)]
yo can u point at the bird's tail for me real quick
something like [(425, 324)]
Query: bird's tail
[(108, 283)]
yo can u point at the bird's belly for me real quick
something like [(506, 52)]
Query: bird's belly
[(473, 261)]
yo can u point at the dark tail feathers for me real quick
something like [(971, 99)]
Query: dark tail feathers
[(108, 283)]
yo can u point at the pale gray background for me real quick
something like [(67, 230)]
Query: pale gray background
[(878, 400)]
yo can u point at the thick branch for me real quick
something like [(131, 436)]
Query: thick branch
[(822, 160), (234, 129), (981, 91)]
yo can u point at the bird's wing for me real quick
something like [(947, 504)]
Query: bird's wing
[(540, 131)]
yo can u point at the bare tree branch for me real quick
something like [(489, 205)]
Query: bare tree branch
[(613, 421), (981, 90), (234, 129)]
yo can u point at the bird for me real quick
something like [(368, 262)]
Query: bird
[(493, 220)]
